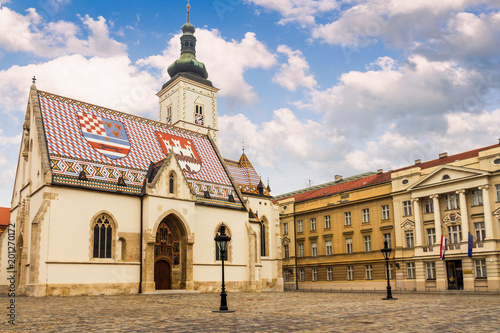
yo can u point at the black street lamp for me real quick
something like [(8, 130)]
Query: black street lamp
[(386, 251), (221, 240)]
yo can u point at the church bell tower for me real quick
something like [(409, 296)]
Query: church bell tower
[(188, 100)]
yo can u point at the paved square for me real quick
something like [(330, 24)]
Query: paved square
[(258, 312)]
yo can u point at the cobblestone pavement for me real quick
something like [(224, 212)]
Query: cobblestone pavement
[(257, 312)]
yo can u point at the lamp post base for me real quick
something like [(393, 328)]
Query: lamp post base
[(389, 299), (223, 311)]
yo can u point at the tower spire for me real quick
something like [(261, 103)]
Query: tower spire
[(188, 8)]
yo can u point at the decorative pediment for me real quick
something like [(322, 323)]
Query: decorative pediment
[(408, 225), (285, 240), (452, 218), (496, 212), (447, 174)]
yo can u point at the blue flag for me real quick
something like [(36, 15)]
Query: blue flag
[(471, 242)]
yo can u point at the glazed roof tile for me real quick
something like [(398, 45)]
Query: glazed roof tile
[(245, 175), (107, 145)]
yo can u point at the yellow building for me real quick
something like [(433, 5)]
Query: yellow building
[(451, 196), (332, 234)]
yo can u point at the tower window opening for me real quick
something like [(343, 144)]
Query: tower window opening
[(198, 117)]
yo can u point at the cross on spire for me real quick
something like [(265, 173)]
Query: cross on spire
[(33, 79), (243, 147)]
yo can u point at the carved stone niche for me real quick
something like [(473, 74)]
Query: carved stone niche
[(408, 225), (285, 241), (452, 219)]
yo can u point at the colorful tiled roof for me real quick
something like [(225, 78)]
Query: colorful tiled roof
[(245, 176), (109, 146)]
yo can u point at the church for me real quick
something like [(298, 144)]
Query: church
[(105, 202)]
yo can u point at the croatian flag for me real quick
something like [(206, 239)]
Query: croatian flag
[(442, 249)]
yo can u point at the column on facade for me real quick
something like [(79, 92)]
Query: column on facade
[(465, 216), (488, 222), (418, 223), (437, 217)]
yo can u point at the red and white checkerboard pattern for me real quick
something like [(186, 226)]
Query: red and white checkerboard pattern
[(62, 119), (91, 124)]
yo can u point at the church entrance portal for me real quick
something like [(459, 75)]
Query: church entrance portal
[(169, 254)]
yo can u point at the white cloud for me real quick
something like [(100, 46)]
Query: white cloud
[(112, 82), (30, 33), (295, 73), (300, 11), (413, 94), (228, 59)]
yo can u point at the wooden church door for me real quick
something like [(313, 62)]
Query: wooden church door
[(162, 275)]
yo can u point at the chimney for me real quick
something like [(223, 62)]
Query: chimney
[(417, 162), (338, 178), (380, 171), (443, 155)]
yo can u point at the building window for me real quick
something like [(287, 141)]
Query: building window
[(390, 272), (348, 245), (429, 206), (431, 236), (368, 243), (480, 266), (328, 245), (286, 249), (387, 238), (409, 238), (430, 268), (315, 274), (385, 212), (327, 222), (347, 218), (480, 232), (350, 273), (286, 275), (103, 237), (169, 114), (369, 272), (314, 249), (171, 183), (198, 117), (329, 274), (263, 238), (406, 208), (477, 197), (313, 224), (455, 234), (410, 270), (285, 228), (301, 250), (300, 226), (497, 188), (451, 201), (366, 215), (302, 275)]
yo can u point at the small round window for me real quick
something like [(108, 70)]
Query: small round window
[(496, 161), (446, 177), (405, 181)]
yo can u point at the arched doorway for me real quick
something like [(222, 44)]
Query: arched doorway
[(169, 255)]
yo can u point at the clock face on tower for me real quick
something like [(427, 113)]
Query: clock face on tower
[(198, 119)]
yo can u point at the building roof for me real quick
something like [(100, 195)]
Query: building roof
[(246, 177), (4, 216), (450, 159), (370, 178), (95, 147)]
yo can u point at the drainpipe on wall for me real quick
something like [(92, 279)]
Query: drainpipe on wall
[(295, 245), (140, 249)]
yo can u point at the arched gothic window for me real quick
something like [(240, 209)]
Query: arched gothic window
[(103, 237), (263, 239)]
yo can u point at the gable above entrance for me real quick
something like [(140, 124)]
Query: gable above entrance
[(447, 175)]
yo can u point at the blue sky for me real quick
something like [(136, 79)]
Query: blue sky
[(315, 88)]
